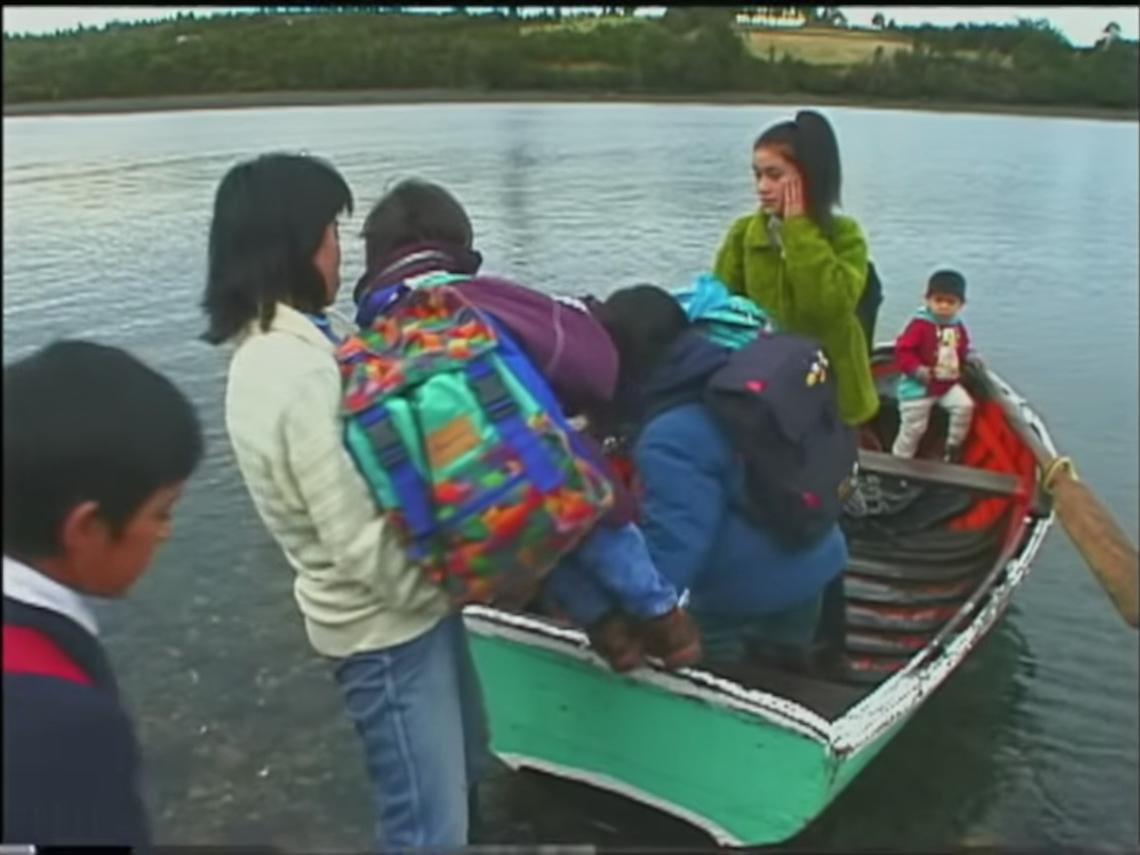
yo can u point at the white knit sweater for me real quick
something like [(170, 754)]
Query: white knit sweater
[(354, 587)]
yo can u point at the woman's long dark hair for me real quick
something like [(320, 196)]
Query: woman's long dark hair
[(270, 216), (810, 143)]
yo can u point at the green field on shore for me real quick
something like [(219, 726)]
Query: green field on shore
[(694, 52)]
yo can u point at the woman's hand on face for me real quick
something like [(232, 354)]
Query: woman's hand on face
[(793, 195)]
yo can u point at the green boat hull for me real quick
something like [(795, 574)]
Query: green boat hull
[(745, 780)]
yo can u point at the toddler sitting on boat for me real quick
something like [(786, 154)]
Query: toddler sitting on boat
[(930, 354)]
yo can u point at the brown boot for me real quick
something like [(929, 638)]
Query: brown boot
[(673, 638), (614, 639)]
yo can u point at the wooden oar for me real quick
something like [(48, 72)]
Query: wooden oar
[(1106, 549)]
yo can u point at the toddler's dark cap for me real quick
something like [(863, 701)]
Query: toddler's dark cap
[(949, 282)]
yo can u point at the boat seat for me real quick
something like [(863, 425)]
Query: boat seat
[(937, 554), (931, 507), (906, 593), (938, 472)]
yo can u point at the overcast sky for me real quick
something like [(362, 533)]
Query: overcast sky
[(1081, 24)]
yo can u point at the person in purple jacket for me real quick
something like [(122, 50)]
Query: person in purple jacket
[(609, 584)]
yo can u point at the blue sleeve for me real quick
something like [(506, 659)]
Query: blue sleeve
[(685, 499)]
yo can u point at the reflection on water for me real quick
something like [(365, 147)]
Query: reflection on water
[(1033, 743)]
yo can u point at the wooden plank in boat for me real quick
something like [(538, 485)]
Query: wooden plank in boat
[(919, 571), (930, 550), (907, 592), (864, 643), (937, 472), (905, 619)]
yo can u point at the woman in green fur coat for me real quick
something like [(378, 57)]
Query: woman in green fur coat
[(802, 263)]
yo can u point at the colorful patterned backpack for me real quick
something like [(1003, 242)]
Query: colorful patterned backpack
[(465, 447)]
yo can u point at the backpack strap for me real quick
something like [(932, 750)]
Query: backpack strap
[(393, 456), (867, 309), (502, 411), (322, 323), (29, 651), (378, 302)]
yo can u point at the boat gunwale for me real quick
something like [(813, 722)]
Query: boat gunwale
[(689, 682)]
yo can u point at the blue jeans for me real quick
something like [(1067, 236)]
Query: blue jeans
[(418, 707), (610, 569)]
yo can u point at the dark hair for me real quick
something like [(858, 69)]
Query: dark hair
[(88, 422), (412, 212), (810, 143), (642, 321), (270, 215), (949, 282)]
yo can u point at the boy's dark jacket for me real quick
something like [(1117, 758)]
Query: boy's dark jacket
[(71, 759)]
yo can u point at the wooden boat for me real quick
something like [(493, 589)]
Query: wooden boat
[(753, 756)]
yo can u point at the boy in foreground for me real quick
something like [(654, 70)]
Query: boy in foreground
[(97, 447)]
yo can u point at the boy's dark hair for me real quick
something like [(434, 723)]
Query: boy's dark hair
[(412, 212), (270, 215), (642, 321), (949, 282), (87, 422), (810, 143)]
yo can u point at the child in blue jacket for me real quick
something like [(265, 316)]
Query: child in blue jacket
[(746, 591)]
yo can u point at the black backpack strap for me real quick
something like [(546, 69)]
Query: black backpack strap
[(867, 309)]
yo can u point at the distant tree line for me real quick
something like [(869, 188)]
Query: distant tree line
[(689, 50)]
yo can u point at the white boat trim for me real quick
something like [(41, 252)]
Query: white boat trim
[(596, 779)]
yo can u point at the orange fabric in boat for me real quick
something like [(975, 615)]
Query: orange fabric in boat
[(993, 445)]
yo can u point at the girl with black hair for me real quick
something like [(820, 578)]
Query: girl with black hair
[(800, 261), (392, 642)]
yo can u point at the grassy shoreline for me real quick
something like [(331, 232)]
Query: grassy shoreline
[(240, 100)]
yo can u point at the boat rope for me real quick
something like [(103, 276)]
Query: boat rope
[(1054, 469)]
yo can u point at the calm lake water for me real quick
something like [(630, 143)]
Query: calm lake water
[(1033, 743)]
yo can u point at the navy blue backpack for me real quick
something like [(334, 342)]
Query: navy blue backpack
[(776, 399)]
